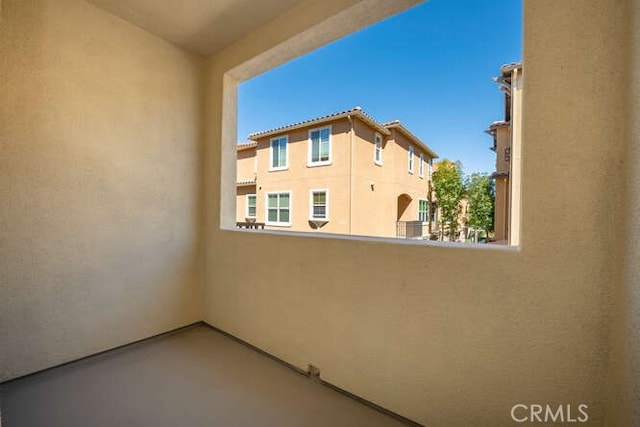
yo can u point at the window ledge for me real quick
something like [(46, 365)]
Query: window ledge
[(278, 224), (374, 239), (316, 164), (279, 169)]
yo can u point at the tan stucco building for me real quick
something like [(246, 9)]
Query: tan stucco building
[(507, 142), (343, 173)]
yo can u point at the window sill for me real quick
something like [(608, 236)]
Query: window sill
[(313, 165), (377, 163), (376, 239), (278, 224), (279, 169)]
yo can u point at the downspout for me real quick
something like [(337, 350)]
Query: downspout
[(350, 172)]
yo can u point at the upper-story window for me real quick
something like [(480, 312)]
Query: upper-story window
[(279, 155), (377, 151), (251, 206), (320, 146), (421, 166), (411, 159)]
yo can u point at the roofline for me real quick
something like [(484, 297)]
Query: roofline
[(508, 68), (354, 112), (396, 124), (246, 146), (491, 130)]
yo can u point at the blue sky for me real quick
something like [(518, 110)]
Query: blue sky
[(429, 67)]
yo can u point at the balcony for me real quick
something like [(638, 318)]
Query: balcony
[(411, 229), (192, 377)]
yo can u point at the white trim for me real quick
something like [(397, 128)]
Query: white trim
[(377, 137), (246, 207), (421, 165), (286, 150), (266, 209), (310, 163), (319, 190), (410, 164)]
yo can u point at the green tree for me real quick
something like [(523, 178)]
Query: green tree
[(481, 197), (449, 190)]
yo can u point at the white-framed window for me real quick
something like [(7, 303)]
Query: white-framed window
[(319, 205), (410, 159), (430, 168), (251, 206), (279, 156), (377, 149), (421, 166), (423, 210), (320, 146), (278, 208)]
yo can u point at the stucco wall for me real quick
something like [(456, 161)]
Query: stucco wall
[(624, 378), (298, 178), (451, 335), (503, 141), (99, 128), (376, 206), (100, 188), (246, 165)]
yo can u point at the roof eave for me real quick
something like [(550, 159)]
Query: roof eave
[(411, 136), (246, 146), (508, 68), (320, 120)]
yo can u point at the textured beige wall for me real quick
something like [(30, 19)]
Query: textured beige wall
[(501, 211), (246, 165), (376, 209), (624, 379), (515, 176), (241, 201), (503, 141), (99, 135), (503, 188), (452, 335)]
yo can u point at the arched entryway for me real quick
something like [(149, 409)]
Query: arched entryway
[(404, 200)]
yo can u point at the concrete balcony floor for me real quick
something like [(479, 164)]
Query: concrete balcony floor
[(194, 377)]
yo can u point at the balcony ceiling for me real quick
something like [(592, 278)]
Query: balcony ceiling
[(199, 26)]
